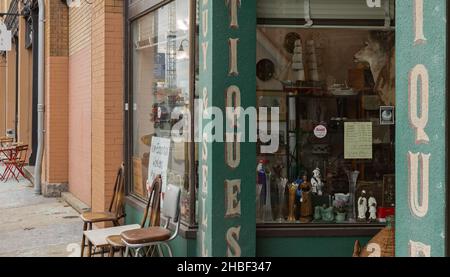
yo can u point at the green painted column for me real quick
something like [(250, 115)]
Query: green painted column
[(227, 171), (421, 127)]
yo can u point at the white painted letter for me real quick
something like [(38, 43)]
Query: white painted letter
[(233, 250), (233, 5), (233, 205), (418, 249), (419, 208), (233, 57), (418, 22), (419, 122)]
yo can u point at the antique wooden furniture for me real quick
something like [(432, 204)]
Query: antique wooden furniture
[(152, 214), (109, 238), (114, 213), (5, 140), (145, 238)]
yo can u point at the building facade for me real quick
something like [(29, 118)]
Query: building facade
[(360, 87)]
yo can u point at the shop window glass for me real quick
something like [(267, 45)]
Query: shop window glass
[(336, 93), (160, 93)]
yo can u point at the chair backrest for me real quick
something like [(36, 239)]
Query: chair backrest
[(21, 155), (117, 202), (5, 140), (153, 209), (171, 207)]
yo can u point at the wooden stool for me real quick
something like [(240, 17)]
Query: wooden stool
[(116, 244)]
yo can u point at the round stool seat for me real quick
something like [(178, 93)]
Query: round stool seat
[(115, 241)]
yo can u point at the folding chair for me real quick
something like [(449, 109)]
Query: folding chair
[(115, 212), (4, 141), (142, 239), (15, 164)]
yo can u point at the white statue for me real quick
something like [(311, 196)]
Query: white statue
[(372, 208), (362, 206), (316, 182)]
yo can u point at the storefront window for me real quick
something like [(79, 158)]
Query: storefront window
[(335, 88), (160, 86)]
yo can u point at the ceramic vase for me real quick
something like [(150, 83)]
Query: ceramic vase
[(352, 180)]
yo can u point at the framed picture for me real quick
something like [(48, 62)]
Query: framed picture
[(388, 191), (387, 115), (271, 99)]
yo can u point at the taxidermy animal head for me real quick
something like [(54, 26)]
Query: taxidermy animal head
[(379, 52)]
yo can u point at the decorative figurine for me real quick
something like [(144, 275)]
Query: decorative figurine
[(306, 210), (316, 182), (328, 214), (362, 207), (281, 198), (372, 208), (318, 213), (292, 193), (258, 203)]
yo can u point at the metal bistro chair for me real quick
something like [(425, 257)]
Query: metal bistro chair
[(15, 164), (152, 214), (5, 140), (156, 236), (115, 212)]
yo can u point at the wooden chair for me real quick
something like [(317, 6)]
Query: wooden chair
[(151, 214), (155, 236), (115, 212), (5, 140)]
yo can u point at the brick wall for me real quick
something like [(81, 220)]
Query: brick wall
[(107, 98), (80, 111), (56, 90)]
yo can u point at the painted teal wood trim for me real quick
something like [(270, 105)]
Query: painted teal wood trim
[(308, 247), (420, 225), (220, 235)]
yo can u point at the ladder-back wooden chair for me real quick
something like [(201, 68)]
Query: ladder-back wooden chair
[(151, 217), (114, 214)]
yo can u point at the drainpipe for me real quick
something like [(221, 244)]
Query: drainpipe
[(41, 99)]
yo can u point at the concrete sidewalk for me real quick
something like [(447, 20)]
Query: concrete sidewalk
[(34, 226)]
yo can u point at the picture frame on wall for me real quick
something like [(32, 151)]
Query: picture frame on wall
[(387, 115), (272, 99)]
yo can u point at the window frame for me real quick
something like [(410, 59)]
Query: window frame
[(134, 11)]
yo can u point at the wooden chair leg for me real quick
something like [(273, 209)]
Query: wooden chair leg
[(89, 243), (111, 252), (83, 240)]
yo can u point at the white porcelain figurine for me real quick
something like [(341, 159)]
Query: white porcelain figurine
[(372, 208), (362, 206), (316, 182)]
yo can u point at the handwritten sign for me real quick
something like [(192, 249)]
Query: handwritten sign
[(5, 38), (159, 160), (358, 141)]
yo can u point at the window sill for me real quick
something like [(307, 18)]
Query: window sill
[(318, 230)]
